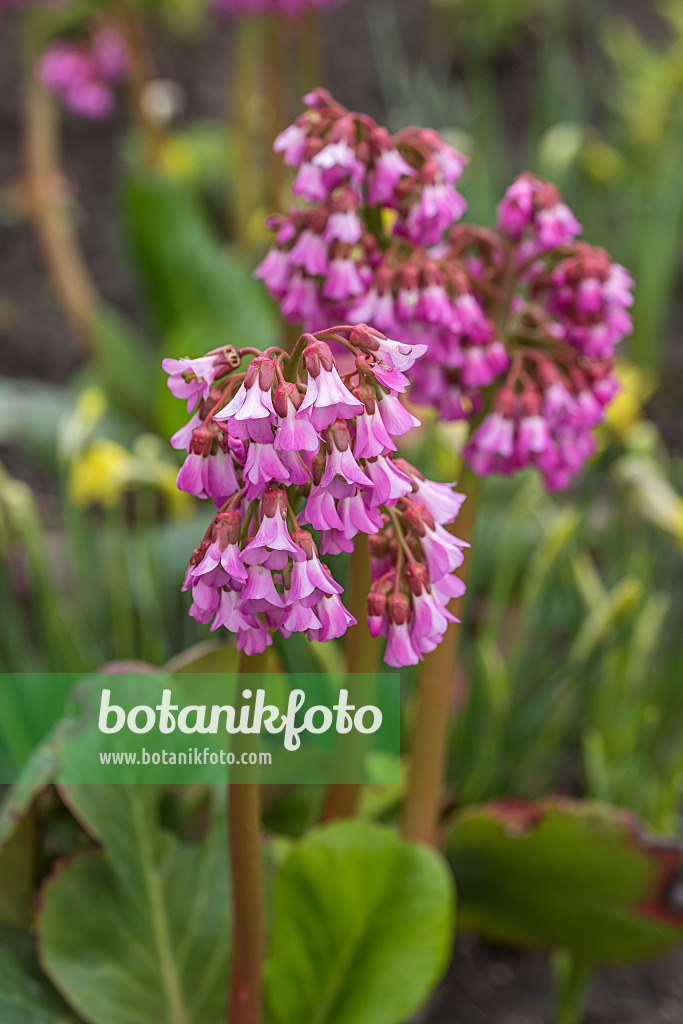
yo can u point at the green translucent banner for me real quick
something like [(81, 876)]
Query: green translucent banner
[(161, 728)]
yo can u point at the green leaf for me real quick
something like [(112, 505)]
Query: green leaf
[(189, 278), (138, 932), (583, 877), (207, 656), (35, 434), (363, 928), (125, 364), (18, 875), (21, 796), (200, 294), (25, 995), (18, 838), (31, 706)]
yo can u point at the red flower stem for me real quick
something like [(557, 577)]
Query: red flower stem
[(245, 991), (434, 705), (362, 656)]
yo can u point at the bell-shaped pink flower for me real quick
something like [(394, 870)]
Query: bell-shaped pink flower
[(272, 545)]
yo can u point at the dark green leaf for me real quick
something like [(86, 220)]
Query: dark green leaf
[(581, 876), (200, 294), (190, 280), (139, 932), (26, 997)]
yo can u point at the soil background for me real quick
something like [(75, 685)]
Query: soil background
[(493, 985), (485, 984)]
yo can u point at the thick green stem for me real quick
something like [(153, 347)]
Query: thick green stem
[(245, 991), (433, 709), (362, 656), (571, 980)]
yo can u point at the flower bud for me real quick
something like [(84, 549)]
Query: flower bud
[(366, 394), (338, 435), (378, 545), (317, 356), (531, 402), (366, 337), (202, 442), (282, 394), (398, 607), (274, 501), (227, 528), (417, 576), (419, 517), (377, 603), (305, 541), (262, 369), (318, 463)]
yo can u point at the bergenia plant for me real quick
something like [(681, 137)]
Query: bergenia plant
[(297, 452), (516, 325), (519, 323)]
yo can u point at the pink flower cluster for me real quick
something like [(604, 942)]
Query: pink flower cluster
[(519, 323), (326, 256), (83, 74), (290, 8), (532, 212), (413, 562), (297, 453)]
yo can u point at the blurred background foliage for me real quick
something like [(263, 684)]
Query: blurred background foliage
[(571, 644), (572, 662)]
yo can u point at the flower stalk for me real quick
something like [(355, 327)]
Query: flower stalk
[(245, 989), (47, 201), (362, 656), (141, 74), (434, 705), (571, 979), (246, 185)]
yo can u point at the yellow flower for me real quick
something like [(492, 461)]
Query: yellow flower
[(178, 159), (637, 385), (99, 475)]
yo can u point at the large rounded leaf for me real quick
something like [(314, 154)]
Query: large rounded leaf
[(363, 928), (582, 876), (139, 932)]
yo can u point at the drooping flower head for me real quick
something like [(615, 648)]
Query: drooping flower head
[(297, 454), (519, 323), (552, 310), (82, 74), (354, 176)]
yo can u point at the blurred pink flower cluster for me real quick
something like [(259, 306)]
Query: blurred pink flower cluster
[(82, 74), (519, 323), (297, 453)]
